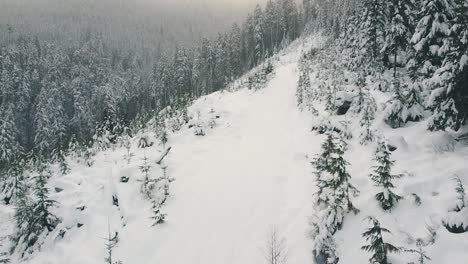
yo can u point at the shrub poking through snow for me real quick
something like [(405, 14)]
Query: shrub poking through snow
[(383, 178), (376, 245), (333, 199)]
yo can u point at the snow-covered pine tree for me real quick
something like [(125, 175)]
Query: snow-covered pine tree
[(126, 142), (368, 116), (377, 246), (33, 215), (258, 34), (14, 178), (371, 29), (333, 198), (330, 98), (111, 243), (148, 184), (398, 31), (431, 30), (461, 194), (383, 178), (413, 102), (11, 149), (420, 252), (50, 119), (303, 86), (42, 209), (60, 156), (158, 216), (449, 97), (396, 112)]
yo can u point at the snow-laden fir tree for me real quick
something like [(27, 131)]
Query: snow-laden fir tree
[(126, 142), (461, 194), (10, 148), (330, 98), (148, 184), (50, 119), (367, 119), (449, 96), (14, 178), (33, 216), (371, 29), (376, 244), (333, 198), (431, 30), (111, 243), (413, 102), (396, 112), (383, 178), (398, 31), (303, 85)]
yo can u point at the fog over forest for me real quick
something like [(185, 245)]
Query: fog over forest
[(153, 23)]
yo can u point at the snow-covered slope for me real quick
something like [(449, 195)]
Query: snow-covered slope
[(251, 174), (247, 176)]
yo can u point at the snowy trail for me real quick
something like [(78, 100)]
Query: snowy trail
[(235, 185)]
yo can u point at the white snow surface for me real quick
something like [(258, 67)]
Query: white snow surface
[(249, 174)]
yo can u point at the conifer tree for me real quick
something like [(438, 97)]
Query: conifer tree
[(42, 208), (420, 252), (147, 185), (383, 178), (11, 149), (111, 243), (377, 246), (158, 216), (368, 116), (396, 113), (448, 99), (413, 102), (372, 29), (431, 30), (33, 215), (461, 194), (333, 197), (398, 31), (14, 178), (303, 86)]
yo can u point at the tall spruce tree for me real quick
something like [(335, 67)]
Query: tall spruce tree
[(449, 97), (377, 246), (383, 178), (398, 31), (372, 29), (431, 30)]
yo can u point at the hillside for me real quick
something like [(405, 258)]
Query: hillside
[(250, 175)]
